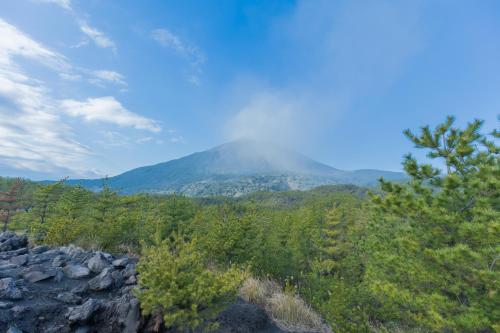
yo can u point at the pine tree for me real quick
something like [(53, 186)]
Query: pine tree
[(175, 212), (435, 241), (44, 198), (10, 202), (69, 220), (73, 203), (174, 281), (106, 214), (329, 249)]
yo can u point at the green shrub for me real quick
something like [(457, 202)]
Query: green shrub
[(175, 281)]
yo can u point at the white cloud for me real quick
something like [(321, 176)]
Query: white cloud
[(15, 43), (109, 110), (66, 4), (97, 77), (170, 40), (192, 53), (33, 132), (109, 76), (32, 135), (98, 37)]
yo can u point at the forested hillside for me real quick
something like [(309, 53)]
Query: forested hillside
[(234, 169), (421, 256)]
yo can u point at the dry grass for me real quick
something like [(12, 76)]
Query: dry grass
[(293, 314), (288, 311), (258, 291)]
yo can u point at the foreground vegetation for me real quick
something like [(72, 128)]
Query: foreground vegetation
[(416, 257)]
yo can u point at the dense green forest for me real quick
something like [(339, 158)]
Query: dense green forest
[(422, 256)]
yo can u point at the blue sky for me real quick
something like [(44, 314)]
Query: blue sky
[(92, 88)]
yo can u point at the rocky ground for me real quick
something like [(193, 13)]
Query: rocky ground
[(67, 289)]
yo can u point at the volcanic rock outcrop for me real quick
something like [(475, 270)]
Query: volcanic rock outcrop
[(68, 289), (65, 289)]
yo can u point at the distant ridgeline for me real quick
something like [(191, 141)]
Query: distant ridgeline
[(234, 169)]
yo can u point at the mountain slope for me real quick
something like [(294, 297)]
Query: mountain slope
[(235, 168)]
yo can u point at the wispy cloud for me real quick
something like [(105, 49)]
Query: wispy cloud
[(183, 48), (108, 76), (15, 43), (108, 110), (98, 37), (32, 135)]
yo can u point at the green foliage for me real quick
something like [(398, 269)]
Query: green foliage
[(329, 249), (421, 256), (436, 239), (175, 212), (67, 223), (175, 281), (227, 235), (44, 199), (10, 203)]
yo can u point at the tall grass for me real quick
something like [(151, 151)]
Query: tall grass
[(287, 310)]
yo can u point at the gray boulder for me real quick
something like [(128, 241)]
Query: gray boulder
[(58, 275), (58, 261), (39, 249), (71, 251), (6, 266), (11, 241), (102, 281), (121, 263), (6, 235), (129, 271), (9, 254), (97, 263), (20, 260), (83, 312), (76, 271), (131, 280), (37, 276), (9, 290), (117, 279), (69, 298)]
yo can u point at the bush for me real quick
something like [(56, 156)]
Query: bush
[(175, 281)]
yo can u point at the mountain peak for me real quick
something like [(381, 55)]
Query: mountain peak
[(247, 156), (233, 168)]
